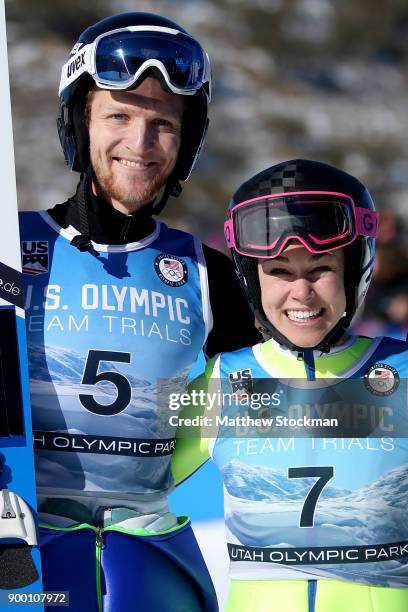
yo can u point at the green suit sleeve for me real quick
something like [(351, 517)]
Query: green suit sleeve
[(192, 445)]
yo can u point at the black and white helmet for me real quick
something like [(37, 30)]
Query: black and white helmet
[(319, 205), (116, 53)]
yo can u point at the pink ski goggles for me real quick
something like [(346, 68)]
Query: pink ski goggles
[(320, 220)]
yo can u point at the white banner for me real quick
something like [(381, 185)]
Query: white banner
[(9, 235)]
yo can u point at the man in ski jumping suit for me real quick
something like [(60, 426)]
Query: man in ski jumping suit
[(118, 309), (315, 523)]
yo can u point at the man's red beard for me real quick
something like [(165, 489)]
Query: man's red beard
[(108, 188)]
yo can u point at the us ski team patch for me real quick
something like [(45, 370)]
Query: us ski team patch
[(34, 257)]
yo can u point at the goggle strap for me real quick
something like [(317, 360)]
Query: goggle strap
[(77, 64), (229, 234), (366, 222)]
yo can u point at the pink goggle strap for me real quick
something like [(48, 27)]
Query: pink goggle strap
[(229, 234), (366, 222)]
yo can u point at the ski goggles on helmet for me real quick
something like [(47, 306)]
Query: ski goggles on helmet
[(321, 221), (116, 59)]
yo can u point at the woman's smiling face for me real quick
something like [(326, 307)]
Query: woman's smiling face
[(303, 293)]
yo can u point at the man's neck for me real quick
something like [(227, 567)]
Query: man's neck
[(106, 224)]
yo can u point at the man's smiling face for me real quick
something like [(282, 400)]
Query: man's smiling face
[(134, 142)]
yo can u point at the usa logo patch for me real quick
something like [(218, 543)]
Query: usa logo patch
[(381, 379), (171, 270), (34, 257)]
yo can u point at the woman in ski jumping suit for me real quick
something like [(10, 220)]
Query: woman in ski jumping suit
[(316, 517)]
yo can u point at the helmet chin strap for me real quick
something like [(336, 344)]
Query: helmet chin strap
[(325, 345), (83, 240)]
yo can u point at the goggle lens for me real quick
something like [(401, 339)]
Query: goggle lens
[(321, 221), (264, 224), (120, 55)]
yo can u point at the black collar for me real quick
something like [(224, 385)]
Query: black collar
[(106, 225)]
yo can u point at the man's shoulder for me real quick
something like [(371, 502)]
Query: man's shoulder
[(58, 213), (217, 262), (212, 254), (26, 214), (233, 319), (29, 218), (219, 265), (176, 231)]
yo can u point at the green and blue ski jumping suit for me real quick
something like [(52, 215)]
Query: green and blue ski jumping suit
[(313, 523)]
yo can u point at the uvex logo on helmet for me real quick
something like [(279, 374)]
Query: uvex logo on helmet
[(76, 63)]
